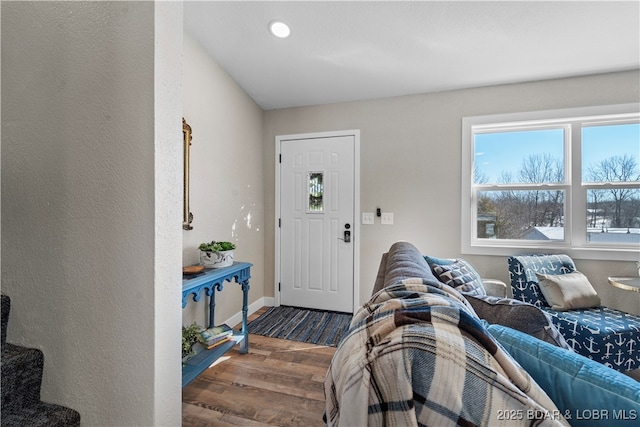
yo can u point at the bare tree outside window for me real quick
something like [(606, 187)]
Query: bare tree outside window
[(516, 212), (616, 207)]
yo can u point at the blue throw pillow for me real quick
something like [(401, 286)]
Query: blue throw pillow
[(586, 392)]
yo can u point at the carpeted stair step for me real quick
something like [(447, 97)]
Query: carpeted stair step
[(21, 381), (42, 415), (22, 369), (6, 306)]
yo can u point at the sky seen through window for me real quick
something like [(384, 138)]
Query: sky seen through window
[(501, 154)]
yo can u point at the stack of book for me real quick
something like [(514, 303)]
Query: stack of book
[(213, 337)]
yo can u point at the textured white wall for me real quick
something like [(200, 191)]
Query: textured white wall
[(227, 190), (168, 213), (411, 160), (80, 244)]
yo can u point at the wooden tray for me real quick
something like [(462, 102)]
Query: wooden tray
[(192, 269)]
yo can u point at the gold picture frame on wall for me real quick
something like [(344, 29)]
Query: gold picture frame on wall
[(187, 216)]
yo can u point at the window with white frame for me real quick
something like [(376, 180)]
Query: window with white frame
[(563, 179)]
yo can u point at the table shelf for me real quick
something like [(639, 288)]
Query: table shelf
[(210, 281), (203, 360)]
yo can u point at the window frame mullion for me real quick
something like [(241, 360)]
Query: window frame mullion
[(578, 226)]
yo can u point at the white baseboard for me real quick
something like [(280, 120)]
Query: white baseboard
[(262, 302)]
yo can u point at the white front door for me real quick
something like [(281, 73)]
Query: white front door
[(317, 221)]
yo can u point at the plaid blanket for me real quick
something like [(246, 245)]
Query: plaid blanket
[(417, 355)]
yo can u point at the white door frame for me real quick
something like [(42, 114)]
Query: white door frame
[(356, 207)]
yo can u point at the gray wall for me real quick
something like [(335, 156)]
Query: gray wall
[(91, 173), (227, 194), (411, 160)]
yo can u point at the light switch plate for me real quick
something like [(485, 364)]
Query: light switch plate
[(367, 217), (387, 218)]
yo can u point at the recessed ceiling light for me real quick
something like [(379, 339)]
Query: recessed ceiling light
[(279, 29)]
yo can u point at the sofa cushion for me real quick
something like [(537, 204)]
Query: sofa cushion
[(518, 315), (458, 274), (382, 268), (402, 261), (585, 392), (568, 291), (604, 334)]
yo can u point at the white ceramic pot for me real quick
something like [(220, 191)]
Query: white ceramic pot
[(216, 259)]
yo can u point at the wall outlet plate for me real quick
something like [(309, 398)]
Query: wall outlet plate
[(387, 218), (367, 217)]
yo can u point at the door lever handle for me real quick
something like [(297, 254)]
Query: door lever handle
[(347, 236)]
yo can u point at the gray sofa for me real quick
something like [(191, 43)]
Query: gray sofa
[(586, 392), (417, 354), (404, 261)]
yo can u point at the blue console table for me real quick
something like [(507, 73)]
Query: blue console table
[(212, 280)]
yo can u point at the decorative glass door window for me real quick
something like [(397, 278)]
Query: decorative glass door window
[(315, 188)]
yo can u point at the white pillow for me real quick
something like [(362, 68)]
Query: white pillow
[(568, 291)]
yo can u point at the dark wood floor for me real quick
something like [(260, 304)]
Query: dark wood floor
[(278, 383)]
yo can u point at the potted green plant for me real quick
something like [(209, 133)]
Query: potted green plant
[(190, 336), (216, 254)]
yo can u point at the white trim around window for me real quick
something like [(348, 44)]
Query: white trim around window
[(574, 241)]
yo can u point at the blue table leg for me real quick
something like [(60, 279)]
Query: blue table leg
[(212, 307), (244, 345)]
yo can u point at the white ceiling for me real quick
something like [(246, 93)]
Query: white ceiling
[(344, 51)]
